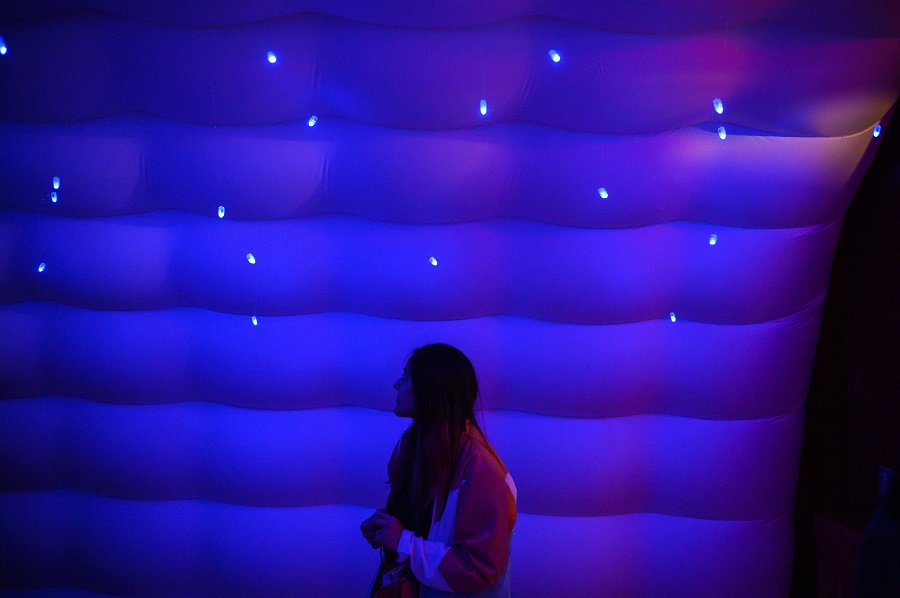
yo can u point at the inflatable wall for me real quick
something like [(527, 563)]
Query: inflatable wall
[(225, 225)]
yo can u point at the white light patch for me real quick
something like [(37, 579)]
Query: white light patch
[(271, 57), (432, 260), (554, 55), (56, 182), (54, 197), (482, 107), (221, 211), (250, 258), (42, 267), (2, 46), (718, 106), (722, 133), (876, 131), (713, 239), (312, 120), (604, 194), (254, 320), (672, 315)]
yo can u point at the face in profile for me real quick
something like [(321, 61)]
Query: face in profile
[(405, 406)]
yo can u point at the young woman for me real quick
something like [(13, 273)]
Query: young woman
[(452, 505)]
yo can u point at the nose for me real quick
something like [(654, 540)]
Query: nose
[(397, 384)]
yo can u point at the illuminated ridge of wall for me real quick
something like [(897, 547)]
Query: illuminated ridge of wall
[(223, 228)]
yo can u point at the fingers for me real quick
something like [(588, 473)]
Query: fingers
[(375, 529), (370, 537), (370, 522), (376, 539), (382, 518)]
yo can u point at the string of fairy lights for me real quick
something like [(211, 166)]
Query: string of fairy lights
[(272, 58)]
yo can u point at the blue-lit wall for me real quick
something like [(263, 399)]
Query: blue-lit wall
[(224, 226)]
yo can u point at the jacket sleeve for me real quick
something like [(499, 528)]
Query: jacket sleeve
[(484, 518)]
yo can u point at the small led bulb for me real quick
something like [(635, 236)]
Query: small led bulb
[(432, 260), (876, 131), (603, 193), (254, 320), (272, 58), (53, 196), (312, 120), (56, 182), (482, 106), (672, 315), (250, 258), (721, 132), (2, 45), (554, 55), (42, 267), (221, 211), (718, 106), (713, 239)]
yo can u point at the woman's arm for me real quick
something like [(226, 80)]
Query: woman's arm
[(485, 513)]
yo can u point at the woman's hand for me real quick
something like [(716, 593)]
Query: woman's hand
[(368, 529), (382, 530)]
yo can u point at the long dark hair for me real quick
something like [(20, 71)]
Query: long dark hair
[(444, 390)]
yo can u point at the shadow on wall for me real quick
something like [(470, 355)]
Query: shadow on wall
[(852, 413)]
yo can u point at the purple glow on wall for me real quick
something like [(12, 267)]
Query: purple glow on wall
[(198, 405)]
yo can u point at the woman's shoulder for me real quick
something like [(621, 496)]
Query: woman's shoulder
[(477, 456), (481, 466)]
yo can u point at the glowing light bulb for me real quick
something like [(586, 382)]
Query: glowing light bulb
[(483, 107), (672, 315), (56, 182), (876, 131), (272, 58), (250, 258), (2, 45), (53, 196), (603, 192), (432, 260), (254, 320), (221, 211), (721, 132), (713, 239), (313, 120), (718, 106), (42, 267), (554, 55)]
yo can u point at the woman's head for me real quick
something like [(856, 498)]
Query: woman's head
[(438, 387)]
